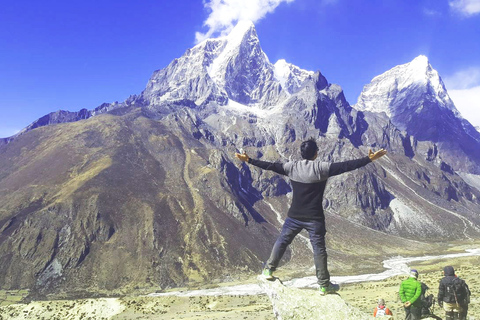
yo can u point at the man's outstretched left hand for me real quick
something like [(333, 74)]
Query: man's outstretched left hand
[(242, 156), (376, 155)]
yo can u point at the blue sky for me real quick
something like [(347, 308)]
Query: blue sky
[(79, 54)]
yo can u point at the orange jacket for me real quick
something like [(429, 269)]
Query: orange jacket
[(387, 311)]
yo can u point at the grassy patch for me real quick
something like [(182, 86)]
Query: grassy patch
[(8, 297)]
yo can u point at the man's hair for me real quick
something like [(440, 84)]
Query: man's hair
[(308, 149)]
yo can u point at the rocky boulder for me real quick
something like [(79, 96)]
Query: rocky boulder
[(294, 303)]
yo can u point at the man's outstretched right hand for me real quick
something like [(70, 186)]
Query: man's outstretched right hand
[(376, 155)]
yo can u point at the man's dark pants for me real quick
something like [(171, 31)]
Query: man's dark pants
[(316, 230), (413, 313)]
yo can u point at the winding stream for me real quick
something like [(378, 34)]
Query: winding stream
[(394, 266)]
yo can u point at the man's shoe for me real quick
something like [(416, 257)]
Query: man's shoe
[(268, 274), (331, 288)]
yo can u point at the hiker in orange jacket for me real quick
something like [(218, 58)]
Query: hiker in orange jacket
[(381, 310)]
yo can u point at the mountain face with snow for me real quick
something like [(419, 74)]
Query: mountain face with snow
[(148, 193), (233, 67), (397, 92), (414, 98)]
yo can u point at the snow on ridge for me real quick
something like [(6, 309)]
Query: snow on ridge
[(376, 96), (236, 34), (267, 119), (413, 71), (405, 215), (239, 31), (471, 179), (286, 72), (216, 70), (251, 109), (281, 71)]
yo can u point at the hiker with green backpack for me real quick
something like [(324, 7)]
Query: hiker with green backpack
[(453, 295)]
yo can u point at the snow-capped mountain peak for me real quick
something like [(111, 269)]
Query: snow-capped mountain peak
[(243, 70), (231, 67), (243, 33), (204, 68), (418, 66), (399, 89), (415, 99)]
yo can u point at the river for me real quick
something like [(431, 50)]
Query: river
[(393, 267)]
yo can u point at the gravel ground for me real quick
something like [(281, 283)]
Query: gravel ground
[(361, 295)]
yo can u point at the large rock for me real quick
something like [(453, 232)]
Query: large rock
[(293, 303)]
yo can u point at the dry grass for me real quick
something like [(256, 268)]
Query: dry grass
[(361, 295), (8, 297), (365, 295)]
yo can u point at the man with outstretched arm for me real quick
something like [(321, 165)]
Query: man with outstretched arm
[(308, 179)]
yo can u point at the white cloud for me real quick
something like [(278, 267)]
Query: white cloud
[(467, 101), (463, 79), (466, 7), (432, 12), (464, 89), (225, 13)]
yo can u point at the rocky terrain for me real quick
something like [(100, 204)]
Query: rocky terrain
[(358, 300)]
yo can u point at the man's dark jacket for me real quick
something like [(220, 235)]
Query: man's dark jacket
[(308, 179), (443, 293)]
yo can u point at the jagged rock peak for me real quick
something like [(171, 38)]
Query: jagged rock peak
[(243, 70), (243, 35), (232, 67), (401, 89), (290, 76)]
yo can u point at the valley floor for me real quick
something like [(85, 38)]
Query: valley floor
[(365, 295), (258, 307)]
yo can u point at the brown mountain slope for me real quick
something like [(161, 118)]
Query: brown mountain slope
[(115, 201)]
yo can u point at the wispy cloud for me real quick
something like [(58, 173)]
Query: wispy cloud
[(464, 79), (466, 7), (226, 13), (431, 12), (467, 101), (464, 89), (328, 2)]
